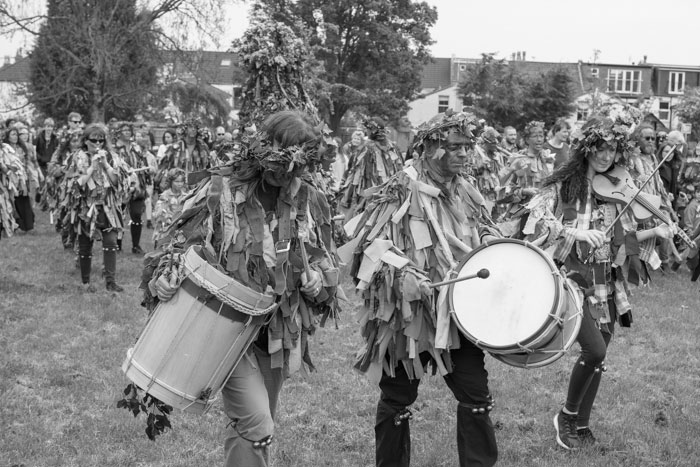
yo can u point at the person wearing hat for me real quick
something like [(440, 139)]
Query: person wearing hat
[(374, 164), (429, 216), (142, 168), (256, 217), (599, 255)]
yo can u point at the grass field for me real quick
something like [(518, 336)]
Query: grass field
[(60, 379)]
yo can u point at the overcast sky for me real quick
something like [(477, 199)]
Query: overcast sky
[(549, 30)]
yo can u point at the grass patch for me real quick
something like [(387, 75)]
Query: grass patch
[(60, 379)]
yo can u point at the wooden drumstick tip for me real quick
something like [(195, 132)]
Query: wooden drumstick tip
[(481, 274)]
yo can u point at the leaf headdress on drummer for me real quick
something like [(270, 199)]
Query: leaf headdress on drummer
[(416, 228), (251, 217)]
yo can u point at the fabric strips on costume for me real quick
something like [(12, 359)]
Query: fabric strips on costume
[(12, 178), (260, 249), (413, 229), (606, 270), (96, 204), (369, 167)]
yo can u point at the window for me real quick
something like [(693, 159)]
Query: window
[(226, 62), (676, 82), (664, 111), (582, 114), (625, 81), (594, 72), (443, 103)]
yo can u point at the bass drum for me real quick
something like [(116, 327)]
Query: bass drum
[(524, 313)]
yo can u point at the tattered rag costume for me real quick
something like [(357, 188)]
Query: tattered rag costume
[(142, 163), (370, 166), (12, 178), (252, 231), (416, 227), (94, 210)]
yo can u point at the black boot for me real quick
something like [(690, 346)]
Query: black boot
[(136, 238), (393, 436), (110, 269), (476, 439)]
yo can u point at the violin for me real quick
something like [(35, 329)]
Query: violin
[(617, 186)]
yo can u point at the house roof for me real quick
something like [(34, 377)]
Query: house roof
[(17, 72), (436, 74)]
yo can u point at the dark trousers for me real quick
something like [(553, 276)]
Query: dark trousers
[(476, 440), (586, 375), (25, 214), (109, 255), (136, 210)]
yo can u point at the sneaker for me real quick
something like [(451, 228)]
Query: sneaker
[(114, 287), (89, 288), (585, 435), (137, 250), (565, 425)]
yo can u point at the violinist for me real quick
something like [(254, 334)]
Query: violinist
[(596, 245)]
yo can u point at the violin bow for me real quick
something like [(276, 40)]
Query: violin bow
[(627, 206)]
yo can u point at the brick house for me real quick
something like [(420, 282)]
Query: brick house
[(668, 83)]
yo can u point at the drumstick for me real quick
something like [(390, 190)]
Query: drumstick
[(482, 274), (305, 259)]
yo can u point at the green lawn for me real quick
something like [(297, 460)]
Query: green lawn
[(60, 378)]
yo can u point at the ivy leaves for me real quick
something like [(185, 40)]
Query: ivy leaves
[(156, 411)]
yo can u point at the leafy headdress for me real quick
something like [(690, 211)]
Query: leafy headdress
[(438, 128), (612, 125)]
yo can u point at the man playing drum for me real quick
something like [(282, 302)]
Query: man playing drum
[(259, 222), (595, 243), (415, 229)]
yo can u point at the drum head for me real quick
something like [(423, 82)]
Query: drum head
[(558, 346), (511, 305)]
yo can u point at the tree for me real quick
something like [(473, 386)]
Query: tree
[(498, 92), (688, 109), (495, 91), (92, 57), (549, 97), (94, 49), (372, 51)]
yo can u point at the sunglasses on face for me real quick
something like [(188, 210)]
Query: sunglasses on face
[(76, 121), (96, 140), (650, 138)]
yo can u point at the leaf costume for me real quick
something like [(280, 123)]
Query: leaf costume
[(414, 228), (96, 204), (12, 178)]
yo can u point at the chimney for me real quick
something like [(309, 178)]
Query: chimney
[(6, 60), (517, 55), (523, 55), (512, 57), (645, 59)]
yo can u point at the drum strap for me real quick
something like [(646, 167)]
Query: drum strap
[(211, 302)]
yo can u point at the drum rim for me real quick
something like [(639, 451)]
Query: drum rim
[(556, 303)]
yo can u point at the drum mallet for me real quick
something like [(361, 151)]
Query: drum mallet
[(482, 274)]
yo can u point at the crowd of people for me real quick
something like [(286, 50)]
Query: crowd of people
[(282, 209)]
